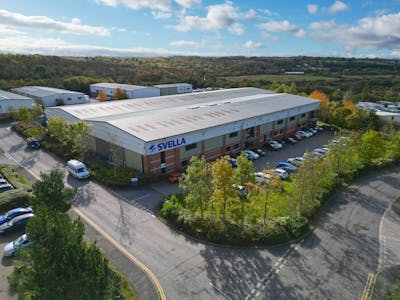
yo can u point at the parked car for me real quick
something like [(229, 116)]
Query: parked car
[(251, 155), (15, 213), (33, 143), (304, 134), (262, 177), (296, 137), (319, 128), (259, 152), (175, 177), (281, 173), (318, 152), (77, 169), (5, 187), (292, 140), (296, 160), (286, 166), (15, 223), (233, 162), (21, 242), (274, 145), (313, 130)]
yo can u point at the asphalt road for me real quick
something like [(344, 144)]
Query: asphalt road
[(333, 262)]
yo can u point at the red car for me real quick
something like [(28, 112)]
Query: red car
[(175, 177)]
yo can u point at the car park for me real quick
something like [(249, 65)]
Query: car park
[(15, 223), (274, 145), (15, 213), (259, 152), (22, 242), (288, 167), (251, 155), (33, 143)]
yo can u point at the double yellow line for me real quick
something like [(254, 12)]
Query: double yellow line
[(146, 270), (369, 287)]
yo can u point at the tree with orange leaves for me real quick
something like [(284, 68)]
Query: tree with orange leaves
[(101, 96), (324, 110)]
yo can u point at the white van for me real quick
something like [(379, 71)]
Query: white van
[(77, 169)]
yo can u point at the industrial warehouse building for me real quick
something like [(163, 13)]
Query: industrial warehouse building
[(13, 101), (161, 134), (131, 91), (174, 88), (48, 96)]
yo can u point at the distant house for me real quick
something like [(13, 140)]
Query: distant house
[(174, 88), (131, 91), (13, 101), (48, 96)]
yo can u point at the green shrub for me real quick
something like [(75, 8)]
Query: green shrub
[(19, 196)]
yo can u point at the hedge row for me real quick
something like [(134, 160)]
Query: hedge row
[(275, 231), (17, 197)]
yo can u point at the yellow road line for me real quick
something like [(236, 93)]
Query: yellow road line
[(132, 258), (369, 286)]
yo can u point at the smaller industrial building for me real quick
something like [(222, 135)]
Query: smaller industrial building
[(174, 88), (11, 101), (48, 96), (160, 134), (131, 91), (389, 116)]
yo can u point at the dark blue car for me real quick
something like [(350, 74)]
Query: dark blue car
[(15, 223), (15, 213), (286, 166)]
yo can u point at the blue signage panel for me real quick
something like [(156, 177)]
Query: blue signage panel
[(168, 144)]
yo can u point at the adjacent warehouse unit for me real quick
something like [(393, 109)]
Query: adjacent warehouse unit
[(48, 96), (161, 134), (174, 88), (10, 101), (131, 91)]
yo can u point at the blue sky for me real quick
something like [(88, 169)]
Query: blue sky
[(365, 28)]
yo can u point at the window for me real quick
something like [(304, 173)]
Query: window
[(184, 163), (227, 149), (280, 122), (233, 134), (80, 98), (162, 157), (191, 147), (292, 118), (235, 146), (69, 98), (303, 115)]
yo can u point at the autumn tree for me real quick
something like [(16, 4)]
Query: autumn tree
[(324, 108), (119, 94), (222, 182), (101, 96)]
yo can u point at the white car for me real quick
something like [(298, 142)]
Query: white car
[(296, 160), (281, 173), (262, 177), (275, 145), (251, 155), (21, 242), (304, 134)]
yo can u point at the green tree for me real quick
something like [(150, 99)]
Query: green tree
[(51, 192), (339, 116), (370, 147), (79, 133), (197, 185), (243, 175), (58, 130)]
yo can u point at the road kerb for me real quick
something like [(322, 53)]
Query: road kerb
[(132, 258)]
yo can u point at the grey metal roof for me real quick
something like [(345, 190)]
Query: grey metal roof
[(160, 86), (42, 91), (165, 116), (4, 95), (126, 87)]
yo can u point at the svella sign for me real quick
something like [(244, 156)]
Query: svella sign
[(167, 145)]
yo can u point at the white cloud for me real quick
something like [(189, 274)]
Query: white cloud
[(322, 25), (282, 26), (380, 32), (312, 9), (267, 12), (163, 5), (43, 22), (266, 35), (337, 7), (34, 45), (161, 15), (189, 3), (4, 30), (253, 45), (219, 16), (186, 44)]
